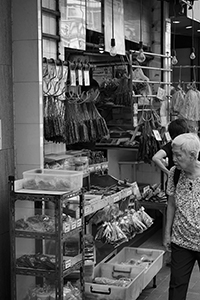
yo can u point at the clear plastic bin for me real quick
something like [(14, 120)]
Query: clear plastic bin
[(53, 180)]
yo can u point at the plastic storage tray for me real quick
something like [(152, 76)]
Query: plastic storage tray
[(104, 291), (143, 255), (52, 180)]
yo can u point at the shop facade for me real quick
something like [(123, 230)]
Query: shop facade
[(28, 34)]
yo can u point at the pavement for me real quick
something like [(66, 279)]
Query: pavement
[(162, 278)]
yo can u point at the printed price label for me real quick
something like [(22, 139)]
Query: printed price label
[(80, 77), (135, 108), (161, 93), (73, 225), (79, 223), (135, 121), (157, 135), (67, 264), (66, 227), (73, 77), (146, 188), (116, 198), (87, 209), (167, 136), (129, 192), (86, 77)]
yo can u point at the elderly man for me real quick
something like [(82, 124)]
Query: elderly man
[(182, 232)]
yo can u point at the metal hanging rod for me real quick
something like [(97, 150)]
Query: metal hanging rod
[(152, 68), (185, 82), (152, 54), (186, 66), (150, 81), (149, 96)]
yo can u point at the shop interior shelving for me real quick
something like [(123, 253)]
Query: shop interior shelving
[(63, 265)]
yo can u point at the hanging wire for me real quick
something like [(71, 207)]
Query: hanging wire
[(113, 33), (192, 55), (141, 13)]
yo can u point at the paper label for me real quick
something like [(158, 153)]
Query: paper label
[(157, 135), (67, 264), (135, 108), (78, 222), (73, 77), (86, 77), (146, 188), (161, 93), (80, 77), (73, 225), (66, 227), (167, 136), (135, 121)]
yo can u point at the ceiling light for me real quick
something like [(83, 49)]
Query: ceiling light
[(198, 30), (176, 22), (188, 27)]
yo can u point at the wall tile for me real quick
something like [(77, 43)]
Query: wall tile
[(26, 97), (6, 106), (24, 20), (5, 32), (25, 61), (28, 143), (7, 168), (22, 168)]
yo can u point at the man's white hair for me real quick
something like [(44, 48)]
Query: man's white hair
[(188, 142)]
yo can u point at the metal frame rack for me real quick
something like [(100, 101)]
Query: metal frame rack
[(62, 267)]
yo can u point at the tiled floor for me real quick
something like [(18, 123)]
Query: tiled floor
[(162, 278)]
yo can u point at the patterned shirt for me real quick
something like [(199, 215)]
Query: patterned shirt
[(186, 224)]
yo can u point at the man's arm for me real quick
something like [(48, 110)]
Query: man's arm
[(158, 160)]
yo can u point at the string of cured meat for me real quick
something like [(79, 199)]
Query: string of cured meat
[(72, 122), (186, 105)]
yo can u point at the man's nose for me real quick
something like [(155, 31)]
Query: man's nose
[(174, 158)]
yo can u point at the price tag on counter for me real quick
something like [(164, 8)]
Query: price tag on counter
[(67, 264), (146, 188), (117, 197), (73, 225), (66, 227), (79, 223), (161, 93), (129, 192), (87, 210)]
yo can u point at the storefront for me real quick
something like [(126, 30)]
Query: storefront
[(76, 33)]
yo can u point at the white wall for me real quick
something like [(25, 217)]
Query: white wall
[(27, 84)]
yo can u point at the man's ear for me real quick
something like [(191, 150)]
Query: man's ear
[(193, 155)]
